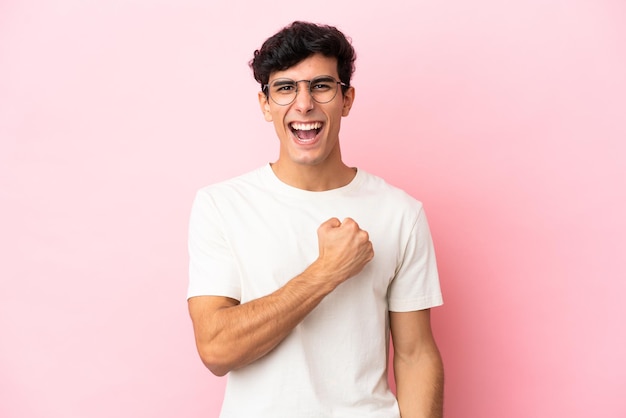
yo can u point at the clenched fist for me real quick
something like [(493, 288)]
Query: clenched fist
[(344, 249)]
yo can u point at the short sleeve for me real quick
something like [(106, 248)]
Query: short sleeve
[(212, 266), (416, 283)]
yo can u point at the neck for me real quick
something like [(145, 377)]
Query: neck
[(315, 178)]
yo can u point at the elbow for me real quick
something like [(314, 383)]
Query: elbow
[(217, 363), (217, 370)]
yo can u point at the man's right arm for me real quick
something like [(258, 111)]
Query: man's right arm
[(230, 335)]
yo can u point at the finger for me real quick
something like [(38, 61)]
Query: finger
[(332, 223), (351, 223)]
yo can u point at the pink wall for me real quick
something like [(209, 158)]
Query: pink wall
[(507, 121)]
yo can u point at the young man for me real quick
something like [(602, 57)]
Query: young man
[(300, 269)]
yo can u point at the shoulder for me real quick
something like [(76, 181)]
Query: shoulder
[(388, 194), (227, 195)]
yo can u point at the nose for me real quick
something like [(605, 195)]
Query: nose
[(304, 101)]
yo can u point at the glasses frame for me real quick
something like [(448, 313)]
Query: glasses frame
[(266, 89)]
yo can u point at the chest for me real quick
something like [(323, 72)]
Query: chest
[(274, 241)]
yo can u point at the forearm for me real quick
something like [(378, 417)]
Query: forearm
[(232, 337), (419, 384)]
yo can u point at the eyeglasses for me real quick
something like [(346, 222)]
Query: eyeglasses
[(283, 91)]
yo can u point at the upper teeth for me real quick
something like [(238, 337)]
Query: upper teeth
[(306, 126)]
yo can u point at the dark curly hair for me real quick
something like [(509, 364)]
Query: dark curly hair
[(297, 42)]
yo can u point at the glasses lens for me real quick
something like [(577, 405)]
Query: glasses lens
[(283, 91), (323, 89)]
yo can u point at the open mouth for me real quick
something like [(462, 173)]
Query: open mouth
[(305, 132)]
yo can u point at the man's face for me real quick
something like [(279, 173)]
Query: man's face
[(308, 131)]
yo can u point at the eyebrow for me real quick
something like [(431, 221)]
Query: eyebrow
[(282, 82), (323, 78), (288, 81)]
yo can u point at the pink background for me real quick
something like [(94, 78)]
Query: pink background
[(507, 119)]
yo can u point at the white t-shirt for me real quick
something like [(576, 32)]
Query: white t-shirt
[(249, 235)]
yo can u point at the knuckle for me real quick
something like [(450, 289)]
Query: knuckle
[(350, 222)]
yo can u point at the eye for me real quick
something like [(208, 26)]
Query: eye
[(283, 87), (321, 85)]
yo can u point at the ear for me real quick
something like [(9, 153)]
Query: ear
[(348, 100), (265, 106)]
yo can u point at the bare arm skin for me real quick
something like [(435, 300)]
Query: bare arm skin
[(417, 365), (230, 335)]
